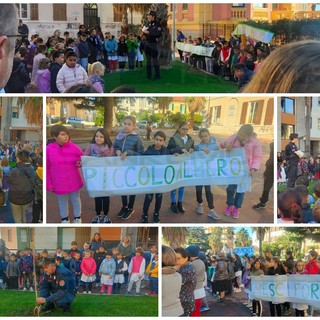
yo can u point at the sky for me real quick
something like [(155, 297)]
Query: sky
[(237, 229)]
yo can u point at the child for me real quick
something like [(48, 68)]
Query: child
[(152, 271), (73, 249), (307, 215), (247, 139), (316, 212), (111, 48), (88, 268), (132, 46), (5, 171), (139, 54), (207, 144), (256, 270), (121, 268), (26, 269), (107, 271), (136, 270), (71, 73), (55, 66), (99, 256), (246, 280), (180, 143), (63, 176), (13, 272), (128, 143), (43, 76), (66, 259), (290, 206), (84, 51), (75, 268), (40, 54), (101, 146), (37, 206), (96, 71), (122, 53), (58, 252), (282, 178), (157, 148), (299, 307)]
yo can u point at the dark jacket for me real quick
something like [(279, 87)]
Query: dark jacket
[(19, 78), (152, 151), (13, 269), (290, 155), (54, 70), (155, 30), (83, 49), (122, 49), (176, 144), (245, 78), (132, 144), (21, 180)]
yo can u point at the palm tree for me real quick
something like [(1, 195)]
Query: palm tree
[(195, 104), (163, 103), (175, 237), (261, 232)]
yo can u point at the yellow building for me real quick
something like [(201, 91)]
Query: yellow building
[(178, 105)]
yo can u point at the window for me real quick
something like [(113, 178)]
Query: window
[(23, 10), (238, 5), (184, 6), (318, 123), (287, 105), (254, 113), (15, 112), (59, 12), (260, 5), (34, 11), (286, 130), (117, 15), (183, 108), (9, 237), (171, 107), (275, 6)]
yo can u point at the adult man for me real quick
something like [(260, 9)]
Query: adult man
[(8, 30), (23, 29), (58, 287), (292, 160), (242, 74), (152, 33)]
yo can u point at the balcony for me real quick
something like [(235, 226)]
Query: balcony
[(282, 14), (307, 15), (238, 13)]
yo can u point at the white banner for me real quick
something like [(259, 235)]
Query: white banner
[(253, 32), (287, 288), (199, 50), (108, 176)]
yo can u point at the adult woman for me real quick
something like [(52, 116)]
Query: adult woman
[(171, 284), (221, 276), (292, 68), (96, 242), (189, 280), (126, 248)]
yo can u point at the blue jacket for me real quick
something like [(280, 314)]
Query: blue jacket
[(83, 49), (152, 151), (132, 144), (212, 145), (111, 47), (75, 265), (108, 267)]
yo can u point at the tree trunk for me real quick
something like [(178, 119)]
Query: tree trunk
[(308, 104), (124, 25), (108, 114)]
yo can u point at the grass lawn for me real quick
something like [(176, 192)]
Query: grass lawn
[(310, 187), (21, 304), (181, 78)]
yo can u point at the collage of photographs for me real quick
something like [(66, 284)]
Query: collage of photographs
[(135, 135)]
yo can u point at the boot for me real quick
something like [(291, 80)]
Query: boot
[(174, 207), (181, 208)]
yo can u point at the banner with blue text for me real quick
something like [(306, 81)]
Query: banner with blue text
[(157, 174)]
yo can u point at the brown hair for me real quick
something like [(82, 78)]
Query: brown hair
[(316, 189), (169, 257), (292, 68), (104, 132), (131, 118), (290, 204), (57, 128)]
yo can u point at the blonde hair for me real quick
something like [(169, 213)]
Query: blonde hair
[(95, 67), (44, 64), (293, 68), (131, 118)]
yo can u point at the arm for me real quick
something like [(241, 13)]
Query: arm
[(257, 156), (60, 81), (87, 151)]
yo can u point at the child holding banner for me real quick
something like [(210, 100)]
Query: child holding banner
[(100, 146), (180, 143), (247, 139), (63, 176), (157, 148), (299, 307), (128, 143), (207, 144)]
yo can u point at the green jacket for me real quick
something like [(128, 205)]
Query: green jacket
[(176, 143), (132, 46)]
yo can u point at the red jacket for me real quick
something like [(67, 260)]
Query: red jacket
[(312, 267), (88, 266)]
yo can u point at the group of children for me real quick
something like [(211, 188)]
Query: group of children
[(300, 204), (107, 268), (64, 178), (62, 64)]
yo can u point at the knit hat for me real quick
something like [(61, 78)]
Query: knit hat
[(247, 129), (193, 251)]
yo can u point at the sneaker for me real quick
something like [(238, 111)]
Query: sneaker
[(137, 294), (228, 211), (204, 308), (24, 289), (156, 217), (128, 293), (144, 219), (106, 219), (212, 214), (78, 220), (101, 292), (200, 208), (260, 205), (173, 207), (129, 212), (84, 292), (31, 289), (122, 212), (89, 292), (96, 219), (235, 213), (149, 293), (97, 285), (220, 300), (287, 312), (65, 221)]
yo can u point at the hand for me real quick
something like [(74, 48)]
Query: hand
[(228, 147), (139, 277), (124, 155), (191, 150), (176, 154), (118, 153), (252, 171), (41, 300), (184, 150), (79, 164), (206, 150)]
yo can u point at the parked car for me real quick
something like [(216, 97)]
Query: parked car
[(142, 124), (79, 122)]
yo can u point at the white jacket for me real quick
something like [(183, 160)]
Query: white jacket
[(68, 77)]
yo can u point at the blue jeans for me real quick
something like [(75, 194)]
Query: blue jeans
[(131, 59), (63, 202), (234, 198), (154, 285), (180, 195)]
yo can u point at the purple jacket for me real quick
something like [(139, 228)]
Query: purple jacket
[(63, 173), (26, 263), (43, 80)]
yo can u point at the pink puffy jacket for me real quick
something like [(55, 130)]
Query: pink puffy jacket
[(252, 149), (63, 173)]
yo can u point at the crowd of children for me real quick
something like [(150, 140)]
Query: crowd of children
[(108, 269), (59, 64), (223, 275), (64, 178)]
